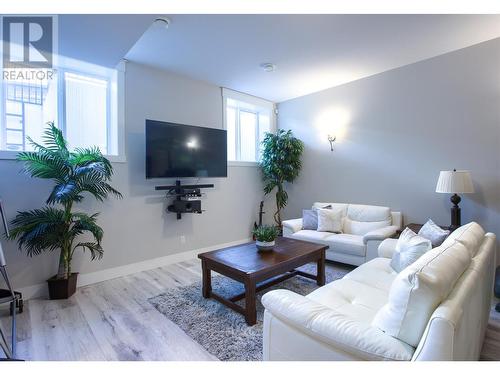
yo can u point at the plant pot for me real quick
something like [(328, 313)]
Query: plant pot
[(265, 246), (62, 288)]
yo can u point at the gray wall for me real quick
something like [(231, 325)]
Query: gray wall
[(137, 227), (404, 126)]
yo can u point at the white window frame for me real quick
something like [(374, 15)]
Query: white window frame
[(253, 101), (116, 102)]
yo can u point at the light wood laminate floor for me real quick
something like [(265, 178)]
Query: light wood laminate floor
[(113, 320), (491, 345)]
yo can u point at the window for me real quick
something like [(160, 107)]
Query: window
[(83, 103), (246, 120), (86, 111), (28, 105)]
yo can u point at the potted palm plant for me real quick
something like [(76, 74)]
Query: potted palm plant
[(265, 236), (280, 163), (56, 226)]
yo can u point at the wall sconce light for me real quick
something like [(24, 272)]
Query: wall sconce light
[(331, 140)]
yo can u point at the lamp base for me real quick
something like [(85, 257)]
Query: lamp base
[(455, 212)]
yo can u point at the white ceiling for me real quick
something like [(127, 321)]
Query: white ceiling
[(100, 39), (312, 52)]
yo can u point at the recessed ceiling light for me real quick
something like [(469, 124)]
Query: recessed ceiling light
[(163, 22), (268, 67)]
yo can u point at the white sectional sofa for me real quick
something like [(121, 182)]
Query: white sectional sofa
[(364, 227), (435, 309)]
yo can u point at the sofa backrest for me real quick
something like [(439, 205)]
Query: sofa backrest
[(471, 235), (334, 206), (419, 289), (456, 328), (360, 219)]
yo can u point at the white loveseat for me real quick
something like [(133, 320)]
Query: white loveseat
[(336, 321), (364, 227)]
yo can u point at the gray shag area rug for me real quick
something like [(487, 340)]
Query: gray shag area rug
[(220, 330)]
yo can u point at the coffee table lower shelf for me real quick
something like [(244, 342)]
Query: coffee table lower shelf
[(250, 309)]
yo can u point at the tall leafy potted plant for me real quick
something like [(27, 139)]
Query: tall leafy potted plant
[(56, 226), (280, 163)]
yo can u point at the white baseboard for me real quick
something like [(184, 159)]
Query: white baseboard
[(40, 290)]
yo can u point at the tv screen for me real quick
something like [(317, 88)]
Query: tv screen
[(176, 150)]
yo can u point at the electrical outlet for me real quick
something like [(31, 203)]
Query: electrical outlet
[(183, 239)]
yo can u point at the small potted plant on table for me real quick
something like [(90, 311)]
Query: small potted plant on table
[(265, 236)]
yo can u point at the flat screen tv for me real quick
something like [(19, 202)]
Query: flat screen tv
[(176, 150)]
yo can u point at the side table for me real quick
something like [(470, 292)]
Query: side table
[(415, 227)]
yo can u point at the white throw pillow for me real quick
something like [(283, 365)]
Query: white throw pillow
[(329, 220), (434, 233), (419, 289), (409, 248)]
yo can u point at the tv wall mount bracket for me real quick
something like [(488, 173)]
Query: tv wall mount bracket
[(186, 198)]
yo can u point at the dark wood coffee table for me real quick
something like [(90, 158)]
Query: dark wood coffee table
[(258, 270)]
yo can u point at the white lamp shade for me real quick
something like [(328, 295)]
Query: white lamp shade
[(454, 182)]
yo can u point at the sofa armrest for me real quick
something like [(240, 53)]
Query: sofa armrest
[(333, 328), (397, 219), (380, 234), (387, 248), (294, 225)]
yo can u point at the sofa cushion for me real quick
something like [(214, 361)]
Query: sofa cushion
[(376, 273), (356, 300), (346, 244), (471, 235), (360, 228), (331, 328), (311, 235), (419, 289)]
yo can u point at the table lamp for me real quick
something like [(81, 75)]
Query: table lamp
[(453, 182)]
